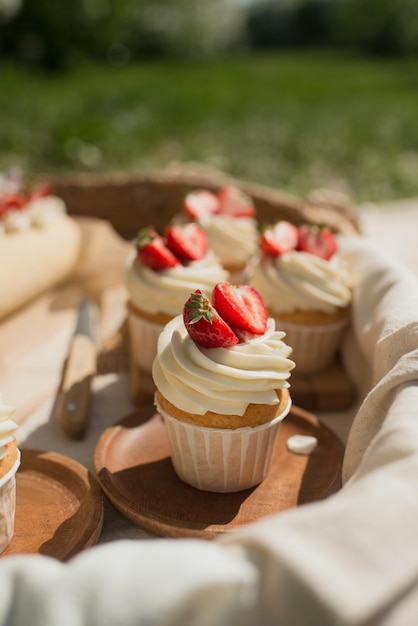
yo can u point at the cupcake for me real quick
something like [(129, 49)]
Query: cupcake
[(306, 288), (161, 272), (9, 464), (229, 220), (222, 377)]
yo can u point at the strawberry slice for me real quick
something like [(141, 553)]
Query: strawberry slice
[(318, 240), (204, 325), (152, 250), (279, 239), (40, 190), (241, 307), (15, 201), (199, 203), (188, 242), (234, 202)]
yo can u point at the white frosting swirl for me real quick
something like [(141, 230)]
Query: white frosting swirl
[(167, 290), (46, 210), (223, 380), (302, 281), (233, 239), (7, 427), (16, 220)]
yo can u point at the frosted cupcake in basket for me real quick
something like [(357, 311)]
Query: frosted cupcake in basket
[(229, 220), (222, 376), (161, 272), (307, 288), (9, 464)]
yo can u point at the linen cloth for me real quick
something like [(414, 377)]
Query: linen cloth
[(349, 560)]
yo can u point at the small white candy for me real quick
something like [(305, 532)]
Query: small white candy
[(302, 444)]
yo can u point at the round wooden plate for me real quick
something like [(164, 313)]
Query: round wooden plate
[(59, 506), (133, 465)]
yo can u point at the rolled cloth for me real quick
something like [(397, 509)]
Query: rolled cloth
[(33, 260)]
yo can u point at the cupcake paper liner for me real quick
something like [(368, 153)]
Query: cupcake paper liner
[(313, 347), (237, 276), (222, 460), (8, 505), (143, 338)]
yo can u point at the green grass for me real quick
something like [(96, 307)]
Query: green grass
[(293, 121)]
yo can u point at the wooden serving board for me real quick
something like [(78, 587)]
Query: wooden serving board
[(59, 506), (133, 465), (328, 390)]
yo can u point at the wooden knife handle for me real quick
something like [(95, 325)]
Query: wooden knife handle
[(74, 399)]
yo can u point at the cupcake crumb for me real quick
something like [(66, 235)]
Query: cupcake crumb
[(302, 444)]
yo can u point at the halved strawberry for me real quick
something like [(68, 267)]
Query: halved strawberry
[(15, 201), (279, 239), (204, 325), (188, 241), (318, 240), (241, 307), (234, 202), (40, 190), (152, 250), (199, 203)]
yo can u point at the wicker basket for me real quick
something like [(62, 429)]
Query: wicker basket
[(129, 201)]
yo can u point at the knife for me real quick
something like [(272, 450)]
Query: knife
[(74, 397)]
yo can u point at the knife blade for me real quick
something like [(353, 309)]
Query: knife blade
[(74, 397)]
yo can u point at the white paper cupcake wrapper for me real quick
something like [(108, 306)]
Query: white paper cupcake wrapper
[(238, 276), (222, 460), (314, 347), (8, 505), (144, 338)]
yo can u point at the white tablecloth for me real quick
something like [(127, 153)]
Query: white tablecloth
[(351, 559)]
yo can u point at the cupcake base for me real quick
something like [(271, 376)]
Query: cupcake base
[(144, 331), (314, 337), (224, 459), (237, 274), (8, 468)]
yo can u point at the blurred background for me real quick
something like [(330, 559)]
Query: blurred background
[(293, 94)]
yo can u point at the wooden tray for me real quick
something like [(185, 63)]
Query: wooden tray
[(328, 390), (133, 465), (59, 506)]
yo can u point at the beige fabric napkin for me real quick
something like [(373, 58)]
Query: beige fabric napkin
[(353, 559), (385, 321), (349, 560)]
